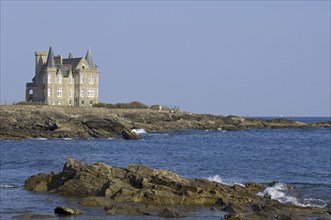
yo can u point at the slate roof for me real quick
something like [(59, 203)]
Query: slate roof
[(72, 61), (50, 58), (64, 69), (89, 59)]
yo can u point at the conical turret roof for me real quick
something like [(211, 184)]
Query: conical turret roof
[(50, 58), (89, 59)]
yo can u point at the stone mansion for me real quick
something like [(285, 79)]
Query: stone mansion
[(62, 81)]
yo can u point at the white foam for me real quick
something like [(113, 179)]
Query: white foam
[(3, 186), (67, 139), (218, 179), (39, 139), (139, 131), (278, 192)]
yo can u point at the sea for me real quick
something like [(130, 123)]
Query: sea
[(297, 161)]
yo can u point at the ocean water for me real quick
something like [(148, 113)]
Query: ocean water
[(299, 159)]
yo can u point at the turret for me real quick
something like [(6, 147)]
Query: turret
[(89, 59), (40, 60), (50, 58)]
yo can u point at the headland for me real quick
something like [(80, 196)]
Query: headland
[(40, 121)]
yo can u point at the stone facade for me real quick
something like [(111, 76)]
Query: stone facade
[(62, 81)]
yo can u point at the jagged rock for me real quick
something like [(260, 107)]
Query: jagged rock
[(129, 135), (169, 213), (130, 209), (128, 191), (66, 211), (234, 216)]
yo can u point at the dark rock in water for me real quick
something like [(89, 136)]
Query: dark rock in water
[(169, 213), (32, 216), (256, 208), (129, 135), (234, 216), (235, 208), (66, 211), (130, 209), (140, 190)]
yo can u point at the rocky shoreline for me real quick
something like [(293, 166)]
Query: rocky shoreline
[(28, 121), (140, 190)]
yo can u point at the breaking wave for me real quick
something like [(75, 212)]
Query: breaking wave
[(278, 192), (218, 179), (6, 186), (139, 131), (39, 139)]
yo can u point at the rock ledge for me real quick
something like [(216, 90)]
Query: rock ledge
[(140, 190)]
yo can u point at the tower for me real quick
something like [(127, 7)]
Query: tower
[(50, 74), (40, 60)]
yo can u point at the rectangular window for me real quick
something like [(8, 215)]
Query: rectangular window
[(91, 79), (90, 93), (70, 92), (59, 79), (82, 79), (49, 78), (49, 92), (76, 92), (59, 92), (82, 93), (76, 79)]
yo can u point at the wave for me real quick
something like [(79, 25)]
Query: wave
[(6, 186), (218, 179), (139, 131), (278, 192), (39, 139)]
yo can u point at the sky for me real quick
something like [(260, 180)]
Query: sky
[(248, 58)]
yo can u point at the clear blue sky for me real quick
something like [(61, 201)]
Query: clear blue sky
[(256, 58)]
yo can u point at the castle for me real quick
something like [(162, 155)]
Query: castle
[(64, 81)]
